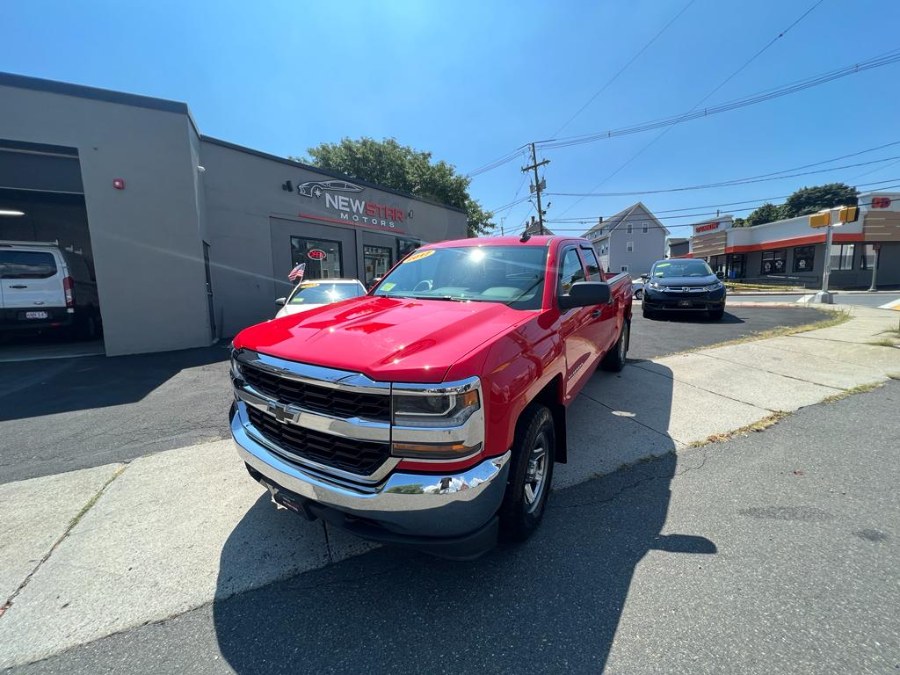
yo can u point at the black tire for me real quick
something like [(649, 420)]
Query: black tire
[(614, 360), (716, 314), (89, 327), (528, 487), (638, 294)]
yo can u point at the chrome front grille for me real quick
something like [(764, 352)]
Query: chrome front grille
[(329, 420), (322, 399), (355, 456)]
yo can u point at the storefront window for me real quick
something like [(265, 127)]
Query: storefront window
[(867, 261), (842, 256), (718, 263), (321, 257), (404, 246), (773, 262), (378, 261), (736, 266), (804, 257)]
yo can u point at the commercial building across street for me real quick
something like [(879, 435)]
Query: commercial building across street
[(190, 238), (793, 252)]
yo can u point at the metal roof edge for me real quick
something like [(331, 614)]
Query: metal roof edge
[(327, 172)]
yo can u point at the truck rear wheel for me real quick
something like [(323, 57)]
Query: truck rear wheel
[(614, 360), (530, 474)]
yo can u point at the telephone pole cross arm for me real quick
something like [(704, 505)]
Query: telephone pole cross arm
[(537, 183)]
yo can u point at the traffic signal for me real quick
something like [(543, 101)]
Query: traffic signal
[(848, 214), (820, 219)]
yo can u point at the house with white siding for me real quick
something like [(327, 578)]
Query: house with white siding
[(630, 241)]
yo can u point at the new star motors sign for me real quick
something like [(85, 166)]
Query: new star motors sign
[(344, 200)]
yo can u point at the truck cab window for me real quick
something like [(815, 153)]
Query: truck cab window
[(570, 271)]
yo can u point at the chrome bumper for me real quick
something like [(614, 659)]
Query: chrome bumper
[(422, 505)]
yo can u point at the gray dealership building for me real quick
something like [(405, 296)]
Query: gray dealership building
[(190, 238)]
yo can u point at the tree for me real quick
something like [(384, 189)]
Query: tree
[(402, 168), (803, 202), (764, 214), (811, 199)]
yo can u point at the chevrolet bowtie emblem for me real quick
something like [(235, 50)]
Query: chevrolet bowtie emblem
[(281, 413)]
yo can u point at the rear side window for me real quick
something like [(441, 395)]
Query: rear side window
[(570, 271), (594, 272), (26, 265)]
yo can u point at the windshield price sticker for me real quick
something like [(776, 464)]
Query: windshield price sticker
[(418, 256)]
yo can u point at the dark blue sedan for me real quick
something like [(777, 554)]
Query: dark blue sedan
[(683, 284)]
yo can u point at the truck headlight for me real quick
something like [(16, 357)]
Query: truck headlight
[(434, 409), (437, 422), (236, 373), (718, 286)]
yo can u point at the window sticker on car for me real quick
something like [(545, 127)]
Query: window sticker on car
[(308, 285), (388, 286), (418, 256)]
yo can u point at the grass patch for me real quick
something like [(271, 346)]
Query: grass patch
[(886, 342), (737, 286), (836, 318), (858, 389), (755, 427)]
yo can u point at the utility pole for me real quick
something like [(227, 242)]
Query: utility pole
[(538, 185)]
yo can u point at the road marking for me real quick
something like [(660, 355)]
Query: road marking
[(895, 305), (806, 298)]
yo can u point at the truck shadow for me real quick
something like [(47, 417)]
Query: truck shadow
[(554, 603), (48, 387)]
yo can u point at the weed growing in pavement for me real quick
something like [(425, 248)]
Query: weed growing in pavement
[(858, 389), (759, 425), (836, 319)]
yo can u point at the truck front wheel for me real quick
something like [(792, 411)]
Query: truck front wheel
[(530, 475)]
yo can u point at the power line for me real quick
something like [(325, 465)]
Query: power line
[(508, 157), (624, 68), (592, 220), (703, 100), (669, 218), (728, 183), (885, 59)]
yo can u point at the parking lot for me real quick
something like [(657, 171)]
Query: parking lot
[(62, 415)]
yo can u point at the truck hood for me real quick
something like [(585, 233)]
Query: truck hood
[(387, 339)]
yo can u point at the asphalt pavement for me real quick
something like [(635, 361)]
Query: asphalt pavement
[(63, 415), (771, 552)]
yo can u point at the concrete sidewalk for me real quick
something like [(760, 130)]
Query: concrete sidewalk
[(90, 553)]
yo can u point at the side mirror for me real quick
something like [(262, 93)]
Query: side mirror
[(720, 274), (281, 301), (645, 277), (584, 294)]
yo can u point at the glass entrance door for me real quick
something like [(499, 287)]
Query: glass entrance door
[(377, 260)]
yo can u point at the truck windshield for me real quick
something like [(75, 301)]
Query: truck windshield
[(681, 268), (513, 275)]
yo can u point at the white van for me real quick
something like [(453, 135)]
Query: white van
[(46, 288)]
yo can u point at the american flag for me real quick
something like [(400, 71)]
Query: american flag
[(296, 274)]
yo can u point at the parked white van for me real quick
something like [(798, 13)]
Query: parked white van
[(47, 288)]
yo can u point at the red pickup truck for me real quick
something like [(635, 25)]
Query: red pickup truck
[(430, 411)]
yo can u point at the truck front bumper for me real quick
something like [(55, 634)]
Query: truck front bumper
[(454, 515)]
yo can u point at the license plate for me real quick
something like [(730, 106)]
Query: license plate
[(36, 315), (684, 303)]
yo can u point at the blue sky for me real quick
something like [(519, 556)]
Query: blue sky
[(471, 81)]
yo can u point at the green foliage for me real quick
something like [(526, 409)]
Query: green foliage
[(811, 199), (764, 214), (402, 168), (803, 202)]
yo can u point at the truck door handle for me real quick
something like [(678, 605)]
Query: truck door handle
[(596, 313), (19, 286)]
